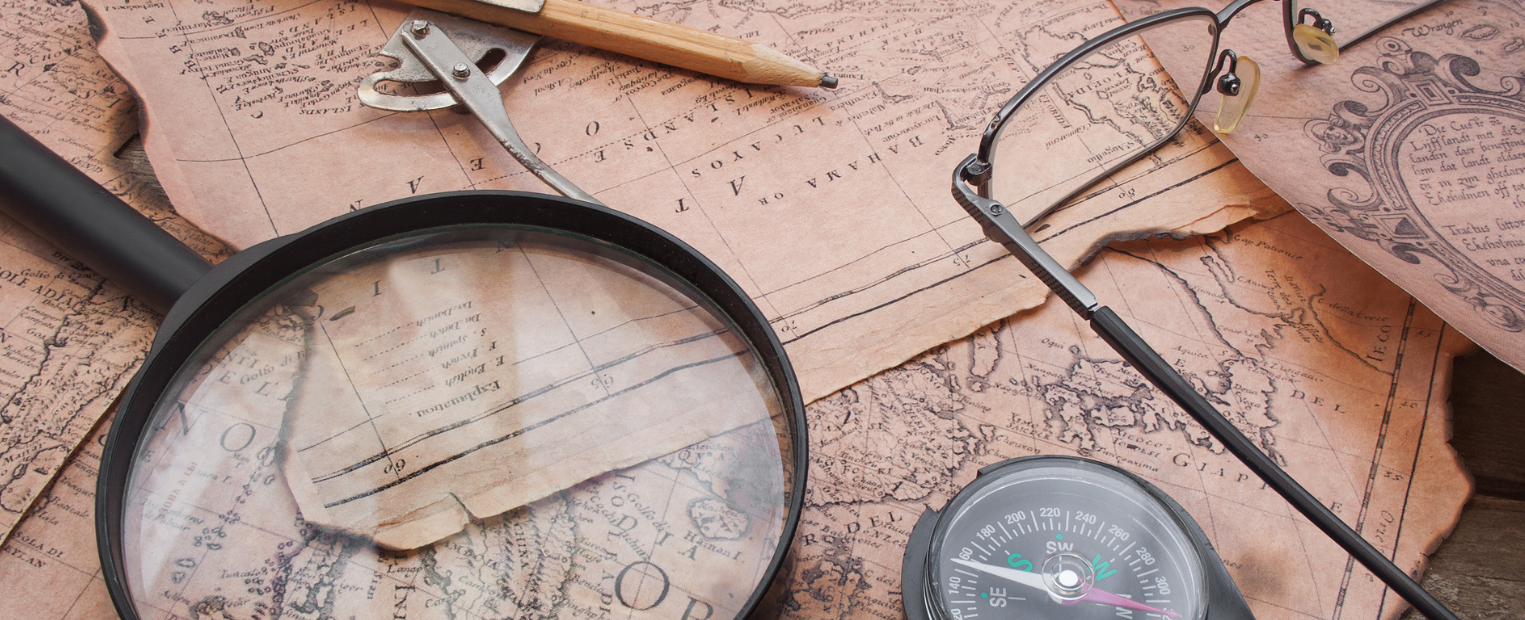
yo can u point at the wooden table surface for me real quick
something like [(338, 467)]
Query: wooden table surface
[(1479, 572)]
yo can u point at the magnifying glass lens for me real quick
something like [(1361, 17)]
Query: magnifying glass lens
[(474, 421)]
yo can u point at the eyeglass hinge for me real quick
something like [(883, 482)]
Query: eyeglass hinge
[(977, 172), (1001, 226)]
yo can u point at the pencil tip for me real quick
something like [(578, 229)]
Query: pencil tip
[(828, 81)]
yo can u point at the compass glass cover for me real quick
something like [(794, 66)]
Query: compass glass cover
[(468, 422), (1062, 539)]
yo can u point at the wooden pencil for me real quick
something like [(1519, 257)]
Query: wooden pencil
[(658, 41)]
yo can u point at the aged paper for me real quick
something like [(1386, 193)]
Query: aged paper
[(468, 376), (830, 208), (1410, 150), (1341, 377), (1334, 372), (71, 342), (68, 341), (50, 553), (49, 563), (55, 87), (58, 90), (213, 529)]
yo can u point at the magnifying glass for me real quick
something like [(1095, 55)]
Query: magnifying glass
[(472, 404)]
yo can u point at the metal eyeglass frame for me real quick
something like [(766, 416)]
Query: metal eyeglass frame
[(971, 189)]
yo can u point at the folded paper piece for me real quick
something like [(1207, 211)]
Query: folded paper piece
[(1409, 150)]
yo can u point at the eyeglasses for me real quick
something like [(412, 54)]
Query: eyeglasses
[(1107, 103), (1101, 107)]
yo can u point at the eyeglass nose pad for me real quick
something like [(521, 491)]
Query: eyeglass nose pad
[(1238, 88), (1315, 43)]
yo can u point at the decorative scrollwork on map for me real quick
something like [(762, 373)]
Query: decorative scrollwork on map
[(1438, 149)]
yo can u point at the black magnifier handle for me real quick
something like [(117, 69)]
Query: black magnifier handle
[(68, 209), (1143, 357)]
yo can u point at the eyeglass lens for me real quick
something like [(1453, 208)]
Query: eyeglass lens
[(1101, 112)]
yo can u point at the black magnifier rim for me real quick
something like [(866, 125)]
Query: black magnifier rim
[(994, 473), (220, 294)]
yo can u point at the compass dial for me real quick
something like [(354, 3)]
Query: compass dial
[(1062, 538)]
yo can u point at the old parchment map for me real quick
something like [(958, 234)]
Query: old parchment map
[(1338, 375), (830, 208), (534, 364), (56, 88), (1410, 150), (214, 530), (50, 552), (50, 558), (914, 433), (71, 342), (68, 340)]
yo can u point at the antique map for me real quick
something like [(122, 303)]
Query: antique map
[(50, 558), (56, 88), (69, 341), (50, 552), (1409, 150), (830, 208), (1336, 373), (1256, 321), (535, 364)]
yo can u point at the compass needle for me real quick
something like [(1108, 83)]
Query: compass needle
[(1097, 541), (1031, 580), (1095, 595)]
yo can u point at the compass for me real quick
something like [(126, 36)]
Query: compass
[(1061, 538)]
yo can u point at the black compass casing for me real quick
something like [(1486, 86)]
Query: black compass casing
[(1222, 598)]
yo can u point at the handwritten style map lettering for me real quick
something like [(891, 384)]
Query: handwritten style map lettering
[(830, 208), (226, 536), (1410, 151), (49, 556), (534, 364), (68, 340), (71, 342), (400, 402), (1337, 374), (49, 562), (54, 86), (909, 436)]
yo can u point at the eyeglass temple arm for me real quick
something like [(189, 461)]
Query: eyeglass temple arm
[(1003, 228)]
